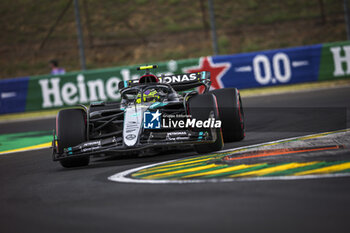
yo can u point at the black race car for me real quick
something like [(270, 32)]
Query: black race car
[(154, 114)]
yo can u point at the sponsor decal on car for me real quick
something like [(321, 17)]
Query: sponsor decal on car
[(130, 136), (178, 78)]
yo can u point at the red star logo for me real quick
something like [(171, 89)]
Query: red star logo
[(216, 71)]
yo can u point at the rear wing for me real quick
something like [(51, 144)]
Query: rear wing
[(179, 82)]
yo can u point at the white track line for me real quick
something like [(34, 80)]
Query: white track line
[(25, 149)]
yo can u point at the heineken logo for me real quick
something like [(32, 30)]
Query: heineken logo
[(341, 58), (56, 94)]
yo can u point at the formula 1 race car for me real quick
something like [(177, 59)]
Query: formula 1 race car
[(154, 114)]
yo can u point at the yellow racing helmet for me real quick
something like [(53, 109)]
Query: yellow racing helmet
[(150, 95)]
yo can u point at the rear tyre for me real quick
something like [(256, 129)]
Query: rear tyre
[(231, 114), (71, 131), (201, 107)]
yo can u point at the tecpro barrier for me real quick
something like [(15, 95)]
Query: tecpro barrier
[(249, 70)]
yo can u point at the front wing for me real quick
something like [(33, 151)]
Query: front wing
[(151, 140)]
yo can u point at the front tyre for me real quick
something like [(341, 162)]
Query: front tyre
[(231, 113), (71, 131), (201, 107)]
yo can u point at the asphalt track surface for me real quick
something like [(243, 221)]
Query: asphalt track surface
[(37, 195)]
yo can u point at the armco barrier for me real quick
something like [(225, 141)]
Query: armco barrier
[(258, 69)]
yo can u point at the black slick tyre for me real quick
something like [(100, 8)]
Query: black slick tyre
[(201, 107), (231, 113), (71, 131)]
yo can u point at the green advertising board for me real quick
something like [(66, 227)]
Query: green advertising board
[(47, 92), (335, 61)]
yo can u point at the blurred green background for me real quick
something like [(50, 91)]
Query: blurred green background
[(125, 32)]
